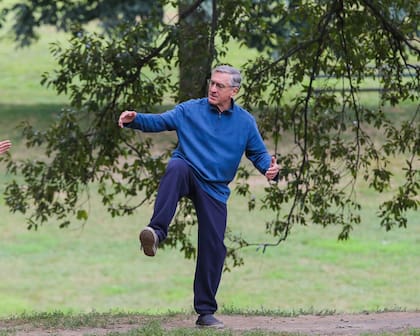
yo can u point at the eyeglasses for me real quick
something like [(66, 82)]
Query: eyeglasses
[(219, 86)]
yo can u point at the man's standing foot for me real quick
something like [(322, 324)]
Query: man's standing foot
[(209, 321), (148, 241)]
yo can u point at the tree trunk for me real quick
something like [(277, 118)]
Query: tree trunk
[(195, 50)]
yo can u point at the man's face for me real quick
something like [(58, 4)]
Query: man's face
[(220, 90)]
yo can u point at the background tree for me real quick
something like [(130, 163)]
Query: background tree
[(29, 15), (329, 150), (196, 32)]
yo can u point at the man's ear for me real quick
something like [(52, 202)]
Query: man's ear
[(234, 91)]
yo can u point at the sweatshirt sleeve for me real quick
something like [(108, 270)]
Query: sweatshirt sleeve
[(256, 150), (167, 121)]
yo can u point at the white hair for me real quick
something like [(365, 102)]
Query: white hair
[(235, 74)]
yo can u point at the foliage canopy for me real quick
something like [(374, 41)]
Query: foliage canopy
[(307, 83)]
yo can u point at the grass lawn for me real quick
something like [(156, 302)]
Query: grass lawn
[(97, 266)]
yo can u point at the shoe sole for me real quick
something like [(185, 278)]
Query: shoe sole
[(148, 242), (211, 326)]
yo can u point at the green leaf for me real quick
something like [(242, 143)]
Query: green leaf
[(82, 215)]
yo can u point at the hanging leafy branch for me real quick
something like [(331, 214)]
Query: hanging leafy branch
[(304, 88), (332, 148)]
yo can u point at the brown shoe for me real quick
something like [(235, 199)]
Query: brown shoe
[(148, 241)]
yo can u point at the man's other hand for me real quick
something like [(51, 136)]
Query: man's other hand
[(272, 172)]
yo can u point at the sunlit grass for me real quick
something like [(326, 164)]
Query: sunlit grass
[(98, 266)]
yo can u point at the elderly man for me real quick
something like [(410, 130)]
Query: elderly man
[(213, 134)]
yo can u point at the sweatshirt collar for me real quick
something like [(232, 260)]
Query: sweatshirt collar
[(229, 110)]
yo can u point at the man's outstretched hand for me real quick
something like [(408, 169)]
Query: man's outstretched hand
[(273, 170), (126, 117)]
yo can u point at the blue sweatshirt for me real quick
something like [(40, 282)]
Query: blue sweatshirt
[(211, 142)]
